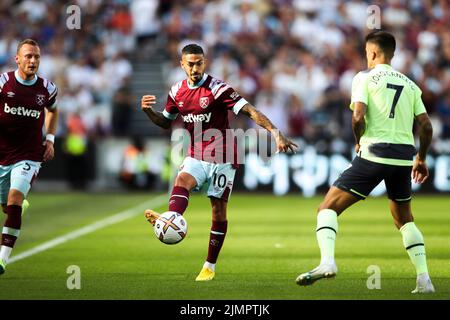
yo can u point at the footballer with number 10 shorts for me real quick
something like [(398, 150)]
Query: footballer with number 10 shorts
[(204, 101)]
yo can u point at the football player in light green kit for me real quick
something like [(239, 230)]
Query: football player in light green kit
[(385, 104)]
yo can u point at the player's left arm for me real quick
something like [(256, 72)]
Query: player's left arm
[(358, 104), (51, 121), (358, 122), (283, 143), (420, 171)]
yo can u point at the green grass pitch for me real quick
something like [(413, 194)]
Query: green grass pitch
[(270, 241)]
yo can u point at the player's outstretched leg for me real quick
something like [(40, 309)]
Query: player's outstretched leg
[(179, 199), (335, 202), (327, 228), (10, 233), (178, 203), (415, 247)]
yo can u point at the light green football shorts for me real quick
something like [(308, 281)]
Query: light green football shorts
[(17, 176)]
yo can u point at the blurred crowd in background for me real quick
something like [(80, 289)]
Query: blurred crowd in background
[(293, 59)]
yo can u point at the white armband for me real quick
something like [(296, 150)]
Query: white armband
[(50, 137)]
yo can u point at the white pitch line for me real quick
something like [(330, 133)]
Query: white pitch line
[(116, 218)]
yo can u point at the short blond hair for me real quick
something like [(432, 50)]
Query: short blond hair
[(27, 41)]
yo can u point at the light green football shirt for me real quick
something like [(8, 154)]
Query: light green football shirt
[(392, 102)]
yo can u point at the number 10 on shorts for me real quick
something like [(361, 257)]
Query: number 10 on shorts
[(219, 181)]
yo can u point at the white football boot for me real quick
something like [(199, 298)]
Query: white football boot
[(322, 271), (424, 284)]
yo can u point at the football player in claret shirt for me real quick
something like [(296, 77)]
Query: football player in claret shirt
[(24, 100), (204, 101)]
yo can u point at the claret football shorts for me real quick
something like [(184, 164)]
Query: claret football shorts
[(362, 176), (17, 176), (218, 176)]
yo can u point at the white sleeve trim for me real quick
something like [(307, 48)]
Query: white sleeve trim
[(216, 86), (220, 91), (239, 105), (170, 116), (174, 89), (3, 79)]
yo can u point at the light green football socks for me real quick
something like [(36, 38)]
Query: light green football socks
[(415, 246), (327, 228)]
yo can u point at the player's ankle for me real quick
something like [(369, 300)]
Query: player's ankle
[(327, 261), (424, 276), (209, 265)]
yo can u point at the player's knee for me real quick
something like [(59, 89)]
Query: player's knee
[(401, 213), (15, 197), (180, 181), (400, 221), (185, 181), (327, 204), (322, 206), (331, 204)]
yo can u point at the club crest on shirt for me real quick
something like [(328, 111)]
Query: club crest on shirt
[(204, 102), (40, 99)]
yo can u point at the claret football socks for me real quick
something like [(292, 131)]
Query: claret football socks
[(179, 200)]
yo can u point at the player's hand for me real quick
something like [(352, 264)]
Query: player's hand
[(284, 144), (147, 102), (357, 147), (49, 151), (419, 171)]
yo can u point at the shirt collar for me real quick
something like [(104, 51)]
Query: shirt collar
[(25, 82), (198, 84), (383, 66)]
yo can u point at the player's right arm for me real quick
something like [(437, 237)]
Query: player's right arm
[(420, 169), (358, 104), (156, 117), (358, 122)]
